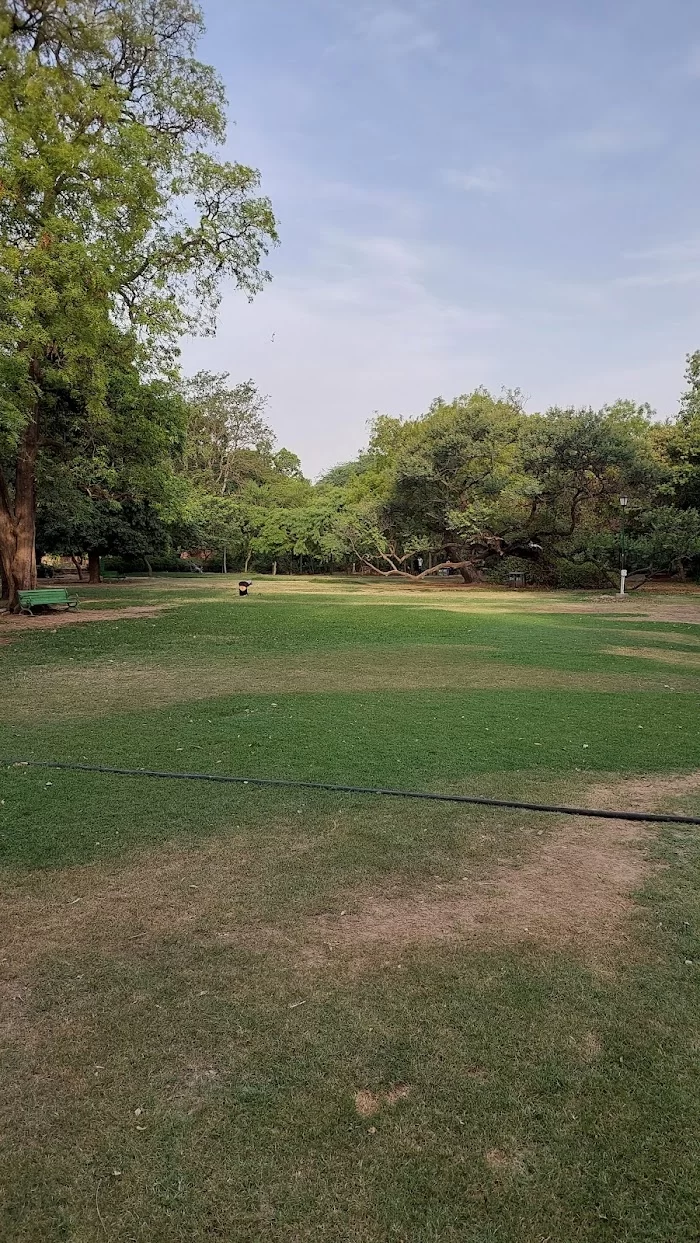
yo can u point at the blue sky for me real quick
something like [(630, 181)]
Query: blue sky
[(469, 192)]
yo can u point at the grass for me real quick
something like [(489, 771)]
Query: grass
[(189, 1009)]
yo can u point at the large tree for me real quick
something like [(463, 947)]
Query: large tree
[(108, 485), (678, 442), (226, 424), (113, 210), (443, 490)]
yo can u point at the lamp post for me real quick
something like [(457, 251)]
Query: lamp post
[(624, 502)]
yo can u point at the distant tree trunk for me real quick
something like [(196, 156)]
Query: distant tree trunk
[(18, 517), (77, 562), (149, 568), (274, 567), (94, 575), (247, 562), (224, 567)]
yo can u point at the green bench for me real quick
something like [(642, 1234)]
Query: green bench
[(28, 600)]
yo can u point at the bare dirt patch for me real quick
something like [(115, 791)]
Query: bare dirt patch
[(369, 1103), (503, 1163), (639, 608), (576, 890), (691, 660), (50, 621), (589, 1046)]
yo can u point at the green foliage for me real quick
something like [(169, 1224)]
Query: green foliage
[(227, 437), (663, 539), (107, 122), (114, 214), (107, 484)]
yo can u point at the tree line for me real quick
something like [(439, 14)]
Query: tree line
[(476, 487)]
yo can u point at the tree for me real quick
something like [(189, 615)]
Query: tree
[(108, 485), (678, 442), (577, 463), (446, 489), (225, 426), (662, 539), (113, 210), (218, 524)]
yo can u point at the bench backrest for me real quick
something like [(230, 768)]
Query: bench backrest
[(55, 595)]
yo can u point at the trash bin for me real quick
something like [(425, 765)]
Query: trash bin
[(516, 578), (243, 587)]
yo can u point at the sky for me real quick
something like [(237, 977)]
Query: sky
[(469, 192)]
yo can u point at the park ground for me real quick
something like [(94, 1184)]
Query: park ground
[(248, 1014)]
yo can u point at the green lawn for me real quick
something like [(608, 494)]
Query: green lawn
[(232, 1013)]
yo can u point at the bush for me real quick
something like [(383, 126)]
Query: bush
[(569, 575), (171, 564), (580, 575), (537, 573)]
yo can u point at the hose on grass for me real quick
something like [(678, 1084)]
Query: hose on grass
[(283, 782)]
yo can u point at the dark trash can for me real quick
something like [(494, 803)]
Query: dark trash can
[(243, 587)]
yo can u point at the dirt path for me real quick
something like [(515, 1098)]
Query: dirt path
[(51, 621)]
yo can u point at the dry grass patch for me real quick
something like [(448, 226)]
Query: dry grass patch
[(575, 889), (512, 1163), (675, 636), (691, 660), (369, 1103), (106, 687)]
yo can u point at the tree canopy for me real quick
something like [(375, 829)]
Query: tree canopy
[(115, 214), (475, 486)]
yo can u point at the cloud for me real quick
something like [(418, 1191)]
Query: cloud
[(686, 250), (401, 209), (484, 179), (659, 280), (605, 140), (362, 330), (396, 30), (668, 264)]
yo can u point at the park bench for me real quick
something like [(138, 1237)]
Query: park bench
[(29, 600)]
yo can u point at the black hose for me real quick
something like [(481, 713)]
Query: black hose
[(651, 817)]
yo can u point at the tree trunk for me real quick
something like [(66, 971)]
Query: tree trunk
[(94, 575), (149, 567), (247, 562), (18, 518), (224, 567), (274, 567), (77, 562)]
